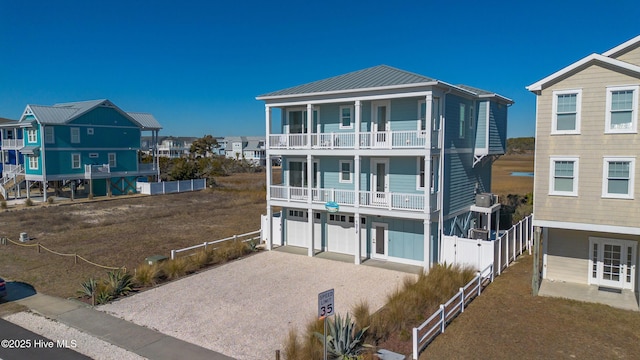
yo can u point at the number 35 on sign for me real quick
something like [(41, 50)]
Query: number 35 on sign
[(325, 304)]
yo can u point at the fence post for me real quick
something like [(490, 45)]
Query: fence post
[(479, 283), (492, 273), (443, 318), (163, 188), (529, 232), (415, 343), (173, 254), (500, 254), (38, 248), (521, 237), (75, 258), (205, 246), (461, 299), (192, 185)]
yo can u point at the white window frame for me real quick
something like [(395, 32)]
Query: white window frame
[(75, 135), (420, 163), (462, 114), (49, 135), (76, 158), (634, 110), (32, 136), (605, 176), (340, 179), (33, 162), (351, 113), (554, 119), (421, 131), (113, 160), (552, 170)]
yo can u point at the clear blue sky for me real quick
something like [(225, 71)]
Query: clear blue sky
[(198, 65)]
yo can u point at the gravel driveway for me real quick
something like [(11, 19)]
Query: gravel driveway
[(245, 308)]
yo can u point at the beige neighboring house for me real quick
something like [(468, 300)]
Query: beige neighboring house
[(587, 199)]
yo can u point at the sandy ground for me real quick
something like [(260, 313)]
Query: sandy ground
[(244, 309)]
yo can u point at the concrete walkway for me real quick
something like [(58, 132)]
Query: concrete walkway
[(129, 336)]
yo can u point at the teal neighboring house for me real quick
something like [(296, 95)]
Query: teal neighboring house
[(406, 158), (94, 143)]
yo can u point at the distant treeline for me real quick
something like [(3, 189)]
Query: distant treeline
[(521, 145)]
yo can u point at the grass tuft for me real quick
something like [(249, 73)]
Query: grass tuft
[(147, 275)]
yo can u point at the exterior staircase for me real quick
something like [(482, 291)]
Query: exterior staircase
[(10, 180)]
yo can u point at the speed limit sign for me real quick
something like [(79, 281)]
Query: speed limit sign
[(325, 304)]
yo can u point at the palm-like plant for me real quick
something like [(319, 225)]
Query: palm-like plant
[(343, 342), (119, 282)]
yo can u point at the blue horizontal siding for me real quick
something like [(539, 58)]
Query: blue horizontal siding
[(497, 128), (481, 129)]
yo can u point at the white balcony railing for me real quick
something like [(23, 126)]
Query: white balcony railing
[(367, 140), (91, 171), (12, 143), (374, 199)]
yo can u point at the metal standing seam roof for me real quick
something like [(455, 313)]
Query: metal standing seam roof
[(62, 113), (146, 120), (373, 77)]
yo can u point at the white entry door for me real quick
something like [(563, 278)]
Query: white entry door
[(379, 240), (380, 182), (612, 263), (381, 111)]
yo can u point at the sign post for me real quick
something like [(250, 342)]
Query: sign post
[(325, 308)]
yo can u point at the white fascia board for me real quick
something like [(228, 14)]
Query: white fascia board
[(587, 227), (591, 58), (498, 96), (622, 46), (347, 91), (348, 99)]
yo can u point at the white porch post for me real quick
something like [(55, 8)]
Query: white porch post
[(28, 189), (269, 225), (309, 124), (358, 120), (309, 198), (427, 243), (356, 204)]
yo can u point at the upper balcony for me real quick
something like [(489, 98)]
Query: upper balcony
[(371, 199), (12, 144), (366, 140)]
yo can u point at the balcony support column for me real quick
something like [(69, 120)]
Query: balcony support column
[(427, 243), (358, 121), (428, 121), (356, 204), (309, 198), (309, 124)]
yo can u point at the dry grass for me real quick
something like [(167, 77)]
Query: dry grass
[(124, 231), (502, 181), (506, 322)]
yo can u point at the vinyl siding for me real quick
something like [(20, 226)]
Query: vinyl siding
[(588, 206), (330, 173), (452, 126), (481, 128), (59, 162), (497, 128), (404, 114), (459, 182), (403, 175), (632, 56), (406, 239)]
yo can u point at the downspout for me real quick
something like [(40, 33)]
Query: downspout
[(441, 183)]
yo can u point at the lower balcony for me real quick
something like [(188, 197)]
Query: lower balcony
[(372, 199)]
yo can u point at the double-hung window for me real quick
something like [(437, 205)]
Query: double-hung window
[(48, 135), (462, 121), (112, 160), (75, 135), (622, 109), (75, 161), (33, 162), (566, 111), (563, 176), (345, 171), (32, 135), (346, 117), (618, 177)]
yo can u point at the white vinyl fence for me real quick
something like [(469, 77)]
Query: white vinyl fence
[(489, 257), (167, 187), (250, 236)]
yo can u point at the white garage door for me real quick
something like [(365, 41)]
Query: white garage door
[(297, 234), (341, 232)]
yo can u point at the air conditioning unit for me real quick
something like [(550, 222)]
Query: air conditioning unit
[(484, 200), (480, 234)]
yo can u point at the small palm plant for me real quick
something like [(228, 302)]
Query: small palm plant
[(343, 342), (89, 288), (119, 282)]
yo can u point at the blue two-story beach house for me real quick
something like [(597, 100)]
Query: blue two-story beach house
[(90, 142), (404, 157)]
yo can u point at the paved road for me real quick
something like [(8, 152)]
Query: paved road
[(17, 343)]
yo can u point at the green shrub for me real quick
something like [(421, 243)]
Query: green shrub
[(342, 340), (103, 296), (89, 288), (28, 202), (3, 204), (50, 200)]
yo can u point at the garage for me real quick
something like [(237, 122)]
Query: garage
[(340, 234), (296, 229)]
